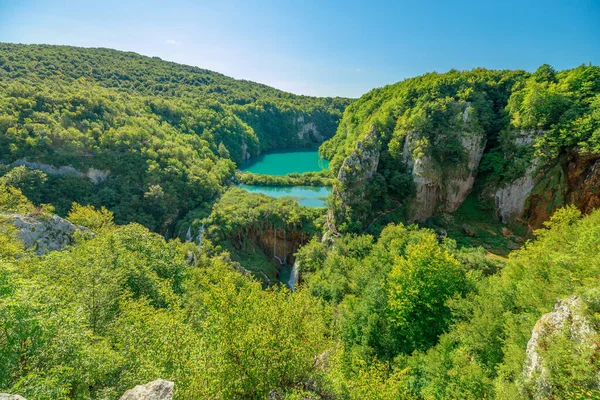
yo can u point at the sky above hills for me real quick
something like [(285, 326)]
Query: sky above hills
[(324, 48)]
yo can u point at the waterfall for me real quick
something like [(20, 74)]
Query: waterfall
[(199, 238), (275, 246), (188, 235), (294, 276)]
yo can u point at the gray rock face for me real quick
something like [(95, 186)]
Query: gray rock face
[(159, 389), (245, 154), (510, 199), (93, 174), (358, 168), (44, 233), (442, 188), (5, 396), (566, 314)]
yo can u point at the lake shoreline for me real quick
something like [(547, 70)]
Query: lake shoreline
[(298, 173)]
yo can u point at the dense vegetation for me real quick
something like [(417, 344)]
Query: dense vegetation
[(321, 178), (155, 139), (401, 316), (560, 109), (244, 224), (140, 151)]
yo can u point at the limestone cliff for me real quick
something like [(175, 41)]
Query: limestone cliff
[(280, 244), (572, 178), (441, 186), (355, 174)]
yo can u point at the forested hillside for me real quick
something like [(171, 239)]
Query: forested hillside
[(401, 316), (107, 158), (523, 144), (137, 134)]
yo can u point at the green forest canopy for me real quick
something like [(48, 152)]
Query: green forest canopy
[(156, 139)]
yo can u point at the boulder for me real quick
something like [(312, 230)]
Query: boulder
[(159, 389), (44, 233)]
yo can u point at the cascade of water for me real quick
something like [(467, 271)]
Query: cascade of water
[(188, 235), (275, 246), (199, 238), (294, 276)]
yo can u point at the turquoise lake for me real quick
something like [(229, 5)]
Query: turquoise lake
[(283, 163), (309, 196)]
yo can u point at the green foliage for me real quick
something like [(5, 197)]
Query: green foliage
[(562, 107), (521, 116), (321, 178), (125, 307), (91, 218), (391, 294), (150, 140), (486, 344), (13, 200), (27, 180)]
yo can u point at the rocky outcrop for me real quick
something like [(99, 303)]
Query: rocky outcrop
[(93, 174), (159, 389), (510, 199), (5, 396), (245, 154), (96, 175), (567, 316), (533, 198), (281, 244), (358, 168), (583, 177), (443, 188), (44, 233), (307, 131)]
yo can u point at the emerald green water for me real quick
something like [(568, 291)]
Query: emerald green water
[(283, 163), (308, 196)]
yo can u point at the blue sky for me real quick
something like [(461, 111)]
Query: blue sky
[(324, 48)]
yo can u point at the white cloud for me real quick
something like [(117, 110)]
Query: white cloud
[(357, 69), (171, 41)]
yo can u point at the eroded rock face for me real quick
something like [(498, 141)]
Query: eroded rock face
[(567, 314), (5, 396), (583, 177), (510, 199), (159, 389), (93, 174), (44, 233), (359, 167), (572, 178), (443, 188)]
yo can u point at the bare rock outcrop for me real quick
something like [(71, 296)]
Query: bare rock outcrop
[(510, 199), (44, 233), (5, 396), (567, 316), (159, 389), (443, 188), (93, 174), (359, 167)]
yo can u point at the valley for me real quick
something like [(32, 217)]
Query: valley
[(436, 238)]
